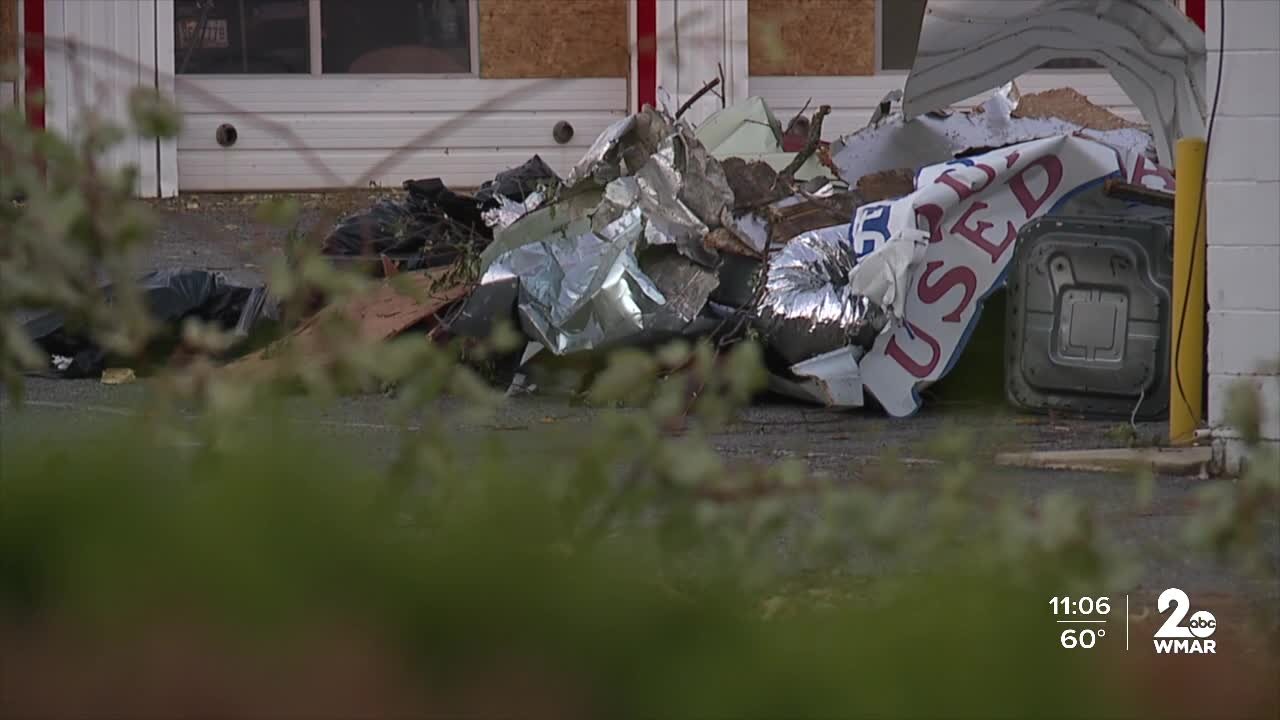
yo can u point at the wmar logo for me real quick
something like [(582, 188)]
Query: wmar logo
[(1173, 636)]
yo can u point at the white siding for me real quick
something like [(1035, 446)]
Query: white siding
[(310, 132), (697, 39), (1243, 207), (854, 98), (98, 51)]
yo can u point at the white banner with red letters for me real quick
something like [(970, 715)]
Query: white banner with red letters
[(972, 209)]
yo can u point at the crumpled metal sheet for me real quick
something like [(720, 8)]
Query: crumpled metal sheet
[(897, 142), (601, 161), (582, 291), (682, 192), (669, 221), (684, 285), (809, 307), (509, 211), (1154, 51), (610, 260), (621, 149)]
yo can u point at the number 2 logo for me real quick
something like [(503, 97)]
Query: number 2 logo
[(1173, 627)]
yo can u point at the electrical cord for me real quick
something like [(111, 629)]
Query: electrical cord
[(1208, 143)]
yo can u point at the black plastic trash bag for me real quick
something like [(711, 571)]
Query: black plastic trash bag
[(432, 226), (172, 295), (518, 182)]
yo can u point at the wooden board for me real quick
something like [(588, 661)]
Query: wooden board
[(8, 31), (553, 38), (379, 315), (811, 37)]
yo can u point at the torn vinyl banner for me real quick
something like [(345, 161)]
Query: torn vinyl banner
[(971, 210), (1154, 51)]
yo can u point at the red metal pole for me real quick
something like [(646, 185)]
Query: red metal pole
[(647, 52), (1195, 11), (33, 58)]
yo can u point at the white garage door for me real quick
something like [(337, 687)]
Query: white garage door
[(308, 94)]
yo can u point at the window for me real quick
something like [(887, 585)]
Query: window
[(900, 34), (241, 36), (351, 37)]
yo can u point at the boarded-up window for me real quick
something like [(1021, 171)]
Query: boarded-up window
[(811, 37), (8, 31), (553, 38)]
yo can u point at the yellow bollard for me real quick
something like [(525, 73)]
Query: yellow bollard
[(1186, 339)]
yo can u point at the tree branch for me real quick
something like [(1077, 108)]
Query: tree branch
[(810, 146), (697, 96)]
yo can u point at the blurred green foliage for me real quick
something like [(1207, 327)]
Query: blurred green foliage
[(281, 540)]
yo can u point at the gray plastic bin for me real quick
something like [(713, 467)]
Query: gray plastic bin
[(1088, 316)]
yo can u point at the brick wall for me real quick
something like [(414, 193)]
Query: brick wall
[(1244, 214)]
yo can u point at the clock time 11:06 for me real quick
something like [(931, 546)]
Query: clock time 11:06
[(1081, 606)]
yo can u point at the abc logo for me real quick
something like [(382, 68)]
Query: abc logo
[(1202, 623)]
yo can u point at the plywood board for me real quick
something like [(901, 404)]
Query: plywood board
[(812, 37), (553, 38), (8, 31)]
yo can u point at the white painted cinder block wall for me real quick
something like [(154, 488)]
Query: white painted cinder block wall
[(1243, 205)]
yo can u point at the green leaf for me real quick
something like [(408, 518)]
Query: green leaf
[(153, 114), (282, 212)]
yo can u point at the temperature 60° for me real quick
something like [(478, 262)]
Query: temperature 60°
[(1086, 638)]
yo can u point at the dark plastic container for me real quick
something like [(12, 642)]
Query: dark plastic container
[(1088, 317)]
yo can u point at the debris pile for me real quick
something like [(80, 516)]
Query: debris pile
[(862, 264)]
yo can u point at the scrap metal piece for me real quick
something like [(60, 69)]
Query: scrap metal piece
[(508, 211), (622, 149), (1086, 325), (898, 142), (669, 221), (831, 379), (683, 192), (601, 161), (808, 308), (685, 285), (1154, 51), (582, 290)]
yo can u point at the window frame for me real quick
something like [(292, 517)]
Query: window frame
[(316, 53)]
